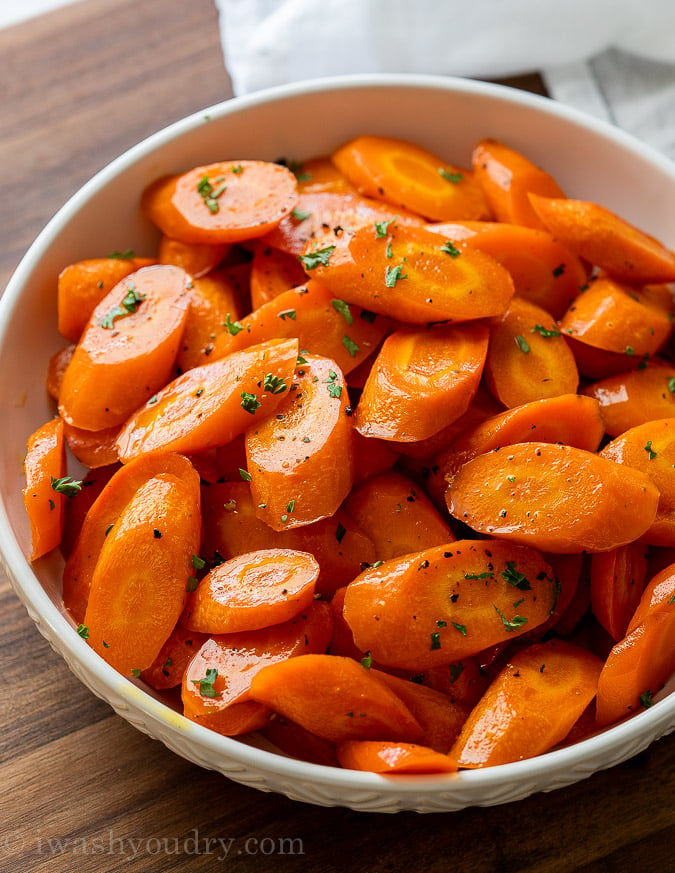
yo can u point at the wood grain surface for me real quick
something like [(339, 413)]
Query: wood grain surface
[(79, 788)]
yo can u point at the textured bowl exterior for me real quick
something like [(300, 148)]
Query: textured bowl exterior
[(589, 159)]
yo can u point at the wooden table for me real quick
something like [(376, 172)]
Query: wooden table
[(77, 87)]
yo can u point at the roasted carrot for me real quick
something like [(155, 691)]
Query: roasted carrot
[(618, 579), (210, 405), (197, 259), (46, 486), (252, 591), (272, 273), (379, 756), (223, 202), (553, 497)]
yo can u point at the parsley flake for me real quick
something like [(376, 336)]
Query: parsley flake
[(382, 228), (126, 255), (209, 194), (459, 627), (299, 215), (545, 331), (130, 303), (522, 344), (274, 384), (511, 625), (287, 313), (343, 309), (515, 577), (312, 260), (393, 274), (198, 563), (650, 452), (249, 402), (206, 685), (233, 327), (66, 485), (435, 641), (450, 249), (350, 345), (83, 631), (449, 176), (647, 699), (367, 660)]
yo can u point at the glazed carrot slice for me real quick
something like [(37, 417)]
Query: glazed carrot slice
[(553, 497), (197, 259), (79, 505), (135, 329), (301, 461), (410, 177), (58, 364), (318, 175), (606, 240), (531, 705), (528, 358), (46, 489), (411, 274), (217, 682), (139, 583), (210, 405), (463, 681), (650, 447), (82, 286), (543, 270), (378, 756), (443, 604), (656, 598), (507, 177), (633, 398), (396, 515), (102, 517), (252, 591), (295, 741), (372, 456), (221, 203), (272, 273), (618, 579), (342, 640), (232, 528), (422, 380), (167, 670), (93, 448), (322, 322), (334, 698)]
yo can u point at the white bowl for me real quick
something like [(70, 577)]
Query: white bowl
[(590, 160)]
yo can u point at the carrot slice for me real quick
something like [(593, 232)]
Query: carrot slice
[(135, 329), (372, 456), (630, 399), (528, 358), (318, 175), (252, 591), (82, 286), (422, 380), (618, 579), (210, 405), (507, 177), (443, 604), (410, 177), (197, 259), (409, 273), (217, 682), (378, 756), (334, 698), (77, 509), (295, 741), (167, 670), (301, 462), (606, 240), (46, 489), (58, 364), (223, 202), (272, 273), (93, 448), (139, 584), (531, 705), (553, 497)]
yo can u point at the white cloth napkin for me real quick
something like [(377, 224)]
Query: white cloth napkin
[(612, 58)]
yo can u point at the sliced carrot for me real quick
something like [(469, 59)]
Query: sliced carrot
[(272, 273), (618, 579), (650, 447), (342, 640), (93, 448), (397, 516), (322, 323), (79, 505), (82, 286), (295, 741), (633, 398), (656, 598), (318, 175), (334, 698), (507, 177), (197, 259), (410, 177), (301, 461), (223, 202), (423, 379), (606, 240), (379, 756), (139, 583), (210, 405), (217, 682), (530, 706), (167, 670), (443, 604), (134, 330), (58, 364), (372, 456), (232, 528), (252, 591), (463, 681), (409, 273), (553, 497), (46, 489), (528, 358)]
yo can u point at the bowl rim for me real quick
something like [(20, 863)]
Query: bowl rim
[(646, 726)]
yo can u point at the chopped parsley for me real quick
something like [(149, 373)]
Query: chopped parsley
[(350, 345), (287, 313), (459, 627), (650, 452), (545, 331), (198, 563), (450, 249), (274, 384), (299, 215), (192, 583), (515, 577), (312, 260), (343, 309), (513, 624), (83, 631), (522, 344), (209, 194), (206, 685), (449, 176), (233, 327), (250, 402), (129, 305), (393, 274), (367, 660), (435, 641), (488, 574), (66, 485), (647, 699), (126, 255), (382, 228)]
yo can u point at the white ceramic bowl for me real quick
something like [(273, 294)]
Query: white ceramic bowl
[(589, 159)]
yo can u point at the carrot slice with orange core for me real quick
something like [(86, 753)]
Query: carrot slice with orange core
[(531, 705), (553, 497), (210, 405), (197, 259), (253, 591), (224, 202), (422, 380), (633, 398), (618, 579), (167, 670), (46, 488), (272, 273), (377, 756), (443, 604), (606, 240), (301, 461), (135, 329), (411, 177)]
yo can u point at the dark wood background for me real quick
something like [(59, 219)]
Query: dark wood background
[(79, 788)]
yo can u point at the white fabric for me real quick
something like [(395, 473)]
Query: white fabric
[(613, 58)]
